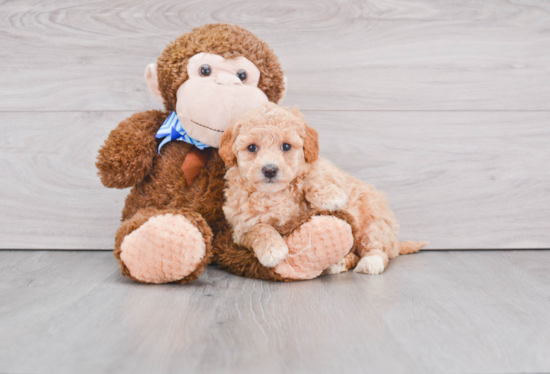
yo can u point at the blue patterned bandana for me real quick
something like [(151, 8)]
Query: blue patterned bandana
[(171, 129)]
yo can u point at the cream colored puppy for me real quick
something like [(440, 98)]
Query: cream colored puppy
[(274, 174)]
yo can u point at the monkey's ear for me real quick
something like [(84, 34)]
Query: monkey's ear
[(311, 145), (226, 145), (284, 92), (152, 81)]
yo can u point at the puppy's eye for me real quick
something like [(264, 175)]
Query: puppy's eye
[(286, 147), (252, 148), (205, 70), (242, 75)]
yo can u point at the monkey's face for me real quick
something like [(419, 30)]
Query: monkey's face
[(210, 89), (217, 92)]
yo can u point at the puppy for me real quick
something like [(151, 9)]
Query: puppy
[(275, 173)]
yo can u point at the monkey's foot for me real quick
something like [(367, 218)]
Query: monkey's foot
[(166, 248), (315, 246)]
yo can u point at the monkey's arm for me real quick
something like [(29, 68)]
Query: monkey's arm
[(127, 155)]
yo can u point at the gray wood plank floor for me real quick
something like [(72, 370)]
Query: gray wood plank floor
[(431, 312)]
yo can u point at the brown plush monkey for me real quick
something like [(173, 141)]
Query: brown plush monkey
[(172, 222)]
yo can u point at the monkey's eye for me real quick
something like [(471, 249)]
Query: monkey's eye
[(286, 147), (205, 70), (242, 75), (252, 148)]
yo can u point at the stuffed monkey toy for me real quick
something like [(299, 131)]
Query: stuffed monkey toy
[(172, 222)]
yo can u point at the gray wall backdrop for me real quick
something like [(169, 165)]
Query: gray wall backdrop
[(444, 105)]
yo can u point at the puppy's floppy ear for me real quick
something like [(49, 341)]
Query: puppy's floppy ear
[(311, 145), (226, 145), (311, 141)]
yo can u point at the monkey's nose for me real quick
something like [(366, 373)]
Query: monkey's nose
[(270, 171), (227, 79)]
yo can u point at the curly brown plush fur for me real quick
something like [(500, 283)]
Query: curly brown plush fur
[(129, 158)]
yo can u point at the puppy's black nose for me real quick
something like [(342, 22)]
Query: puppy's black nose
[(270, 171)]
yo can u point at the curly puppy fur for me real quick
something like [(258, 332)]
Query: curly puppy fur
[(256, 203)]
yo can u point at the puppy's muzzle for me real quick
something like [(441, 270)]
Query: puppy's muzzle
[(270, 171)]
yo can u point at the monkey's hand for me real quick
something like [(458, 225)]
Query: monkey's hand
[(329, 197), (268, 245), (127, 155)]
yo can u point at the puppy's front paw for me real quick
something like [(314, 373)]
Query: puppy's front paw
[(271, 252), (372, 264), (332, 199)]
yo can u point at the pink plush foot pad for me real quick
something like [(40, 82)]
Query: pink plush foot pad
[(164, 249), (316, 245)]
